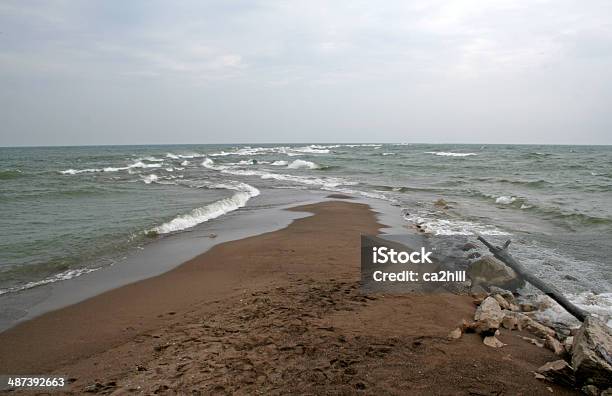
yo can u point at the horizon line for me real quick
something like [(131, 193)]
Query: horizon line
[(299, 143)]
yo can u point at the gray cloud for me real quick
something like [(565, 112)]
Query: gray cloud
[(116, 72)]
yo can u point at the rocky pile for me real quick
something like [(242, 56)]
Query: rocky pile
[(585, 354)]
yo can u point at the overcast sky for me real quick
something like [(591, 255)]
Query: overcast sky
[(139, 72)]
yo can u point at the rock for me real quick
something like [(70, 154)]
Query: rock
[(592, 353), (527, 307), (559, 372), (212, 235), (488, 316), (590, 390), (469, 246), (522, 319), (567, 344), (506, 294), (554, 345), (501, 301), (441, 203), (493, 342), (488, 271), (473, 255), (510, 322), (537, 328), (479, 294), (455, 334), (607, 392), (467, 326), (534, 341)]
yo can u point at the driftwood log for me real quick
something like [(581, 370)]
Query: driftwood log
[(502, 254)]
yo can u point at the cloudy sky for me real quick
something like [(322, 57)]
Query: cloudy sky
[(138, 72)]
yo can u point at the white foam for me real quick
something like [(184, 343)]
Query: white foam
[(69, 274), (598, 304), (209, 163), (452, 227), (189, 156), (505, 200), (76, 171), (249, 162), (137, 164), (297, 164), (140, 164), (279, 163), (185, 163), (385, 154), (312, 149), (148, 179), (172, 156), (210, 211), (375, 195), (153, 159), (286, 150), (328, 182), (449, 154), (361, 145)]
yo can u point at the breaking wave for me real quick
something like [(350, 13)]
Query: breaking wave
[(452, 227), (328, 182), (449, 154), (286, 150), (148, 179), (297, 164), (504, 200), (210, 211), (69, 274), (137, 164)]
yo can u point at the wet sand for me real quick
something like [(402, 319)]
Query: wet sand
[(275, 313)]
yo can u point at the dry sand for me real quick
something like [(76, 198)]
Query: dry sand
[(276, 313)]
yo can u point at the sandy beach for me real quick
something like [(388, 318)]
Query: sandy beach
[(275, 313)]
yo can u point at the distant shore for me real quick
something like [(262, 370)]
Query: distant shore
[(278, 313)]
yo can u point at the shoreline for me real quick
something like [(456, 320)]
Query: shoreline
[(154, 258), (252, 313)]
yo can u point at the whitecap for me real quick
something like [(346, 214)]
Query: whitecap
[(307, 180), (75, 171), (210, 211), (153, 159), (504, 200), (148, 179), (449, 154), (312, 149), (298, 164)]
